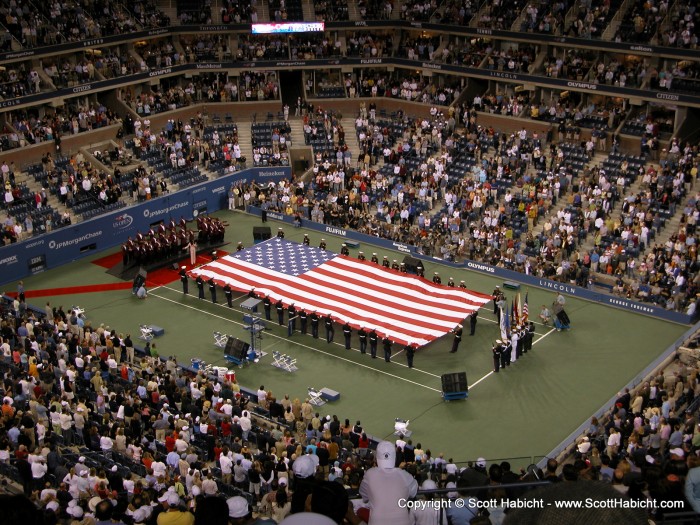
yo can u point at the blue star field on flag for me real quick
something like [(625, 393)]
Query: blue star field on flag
[(284, 256)]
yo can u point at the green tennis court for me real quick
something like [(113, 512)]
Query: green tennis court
[(523, 411)]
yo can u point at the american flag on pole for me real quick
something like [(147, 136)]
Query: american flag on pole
[(526, 311), (404, 307)]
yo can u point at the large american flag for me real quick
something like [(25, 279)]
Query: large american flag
[(404, 307)]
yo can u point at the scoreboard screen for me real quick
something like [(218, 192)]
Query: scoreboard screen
[(288, 27)]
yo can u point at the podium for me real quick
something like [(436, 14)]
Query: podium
[(251, 304)]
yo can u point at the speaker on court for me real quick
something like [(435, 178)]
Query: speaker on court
[(236, 348), (261, 233), (454, 382), (411, 264)]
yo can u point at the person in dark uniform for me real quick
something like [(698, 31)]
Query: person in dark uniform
[(280, 311), (462, 285), (373, 339), (267, 304), (306, 241), (314, 324), (212, 290), (322, 244), (519, 344), (420, 271), (505, 353), (385, 262), (375, 259), (395, 265), (229, 295), (303, 317), (529, 336), (457, 339), (451, 282), (402, 268), (292, 316), (362, 336), (330, 331), (252, 294), (386, 342), (347, 332), (496, 297), (361, 257), (184, 280), (410, 352), (496, 350), (344, 250), (436, 278), (200, 286), (280, 233), (240, 246), (472, 322)]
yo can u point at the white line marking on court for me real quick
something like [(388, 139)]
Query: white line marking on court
[(303, 345), (480, 380), (224, 305), (496, 322), (545, 335)]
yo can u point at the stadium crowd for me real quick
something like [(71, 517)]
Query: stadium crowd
[(90, 429), (93, 426)]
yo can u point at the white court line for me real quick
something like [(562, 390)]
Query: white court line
[(492, 372), (235, 308), (545, 335), (496, 322), (480, 380), (303, 345)]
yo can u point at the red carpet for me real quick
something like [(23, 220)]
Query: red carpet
[(159, 277), (69, 290), (109, 261), (165, 276)]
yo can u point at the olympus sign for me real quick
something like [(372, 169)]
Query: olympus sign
[(582, 85), (480, 267), (160, 72)]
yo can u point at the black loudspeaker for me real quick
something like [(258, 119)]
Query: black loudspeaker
[(455, 382), (236, 348), (261, 233), (411, 264)]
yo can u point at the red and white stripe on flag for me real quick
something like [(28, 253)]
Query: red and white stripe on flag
[(404, 307)]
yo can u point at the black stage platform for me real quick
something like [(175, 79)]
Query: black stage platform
[(128, 273)]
